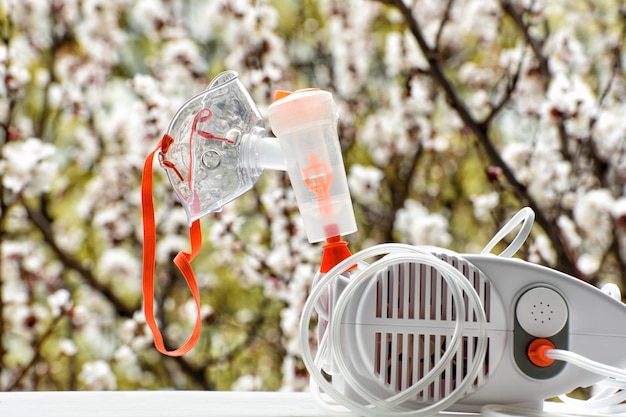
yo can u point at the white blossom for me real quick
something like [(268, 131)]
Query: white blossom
[(550, 175), (146, 17), (67, 347), (97, 375), (479, 103), (188, 311), (169, 246), (59, 301), (387, 132), (27, 166), (542, 246), (393, 53), (517, 155), (32, 14), (402, 53), (592, 211), (125, 356), (568, 229), (364, 183), (244, 315), (618, 208), (289, 323), (609, 131), (420, 103), (119, 263), (350, 45), (484, 204), (127, 330), (566, 52), (184, 50), (80, 316), (475, 75), (573, 98), (568, 200), (18, 318), (417, 226), (588, 263), (248, 383)]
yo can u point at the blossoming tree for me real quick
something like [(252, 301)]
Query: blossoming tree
[(453, 114)]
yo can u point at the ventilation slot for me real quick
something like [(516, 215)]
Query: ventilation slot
[(404, 359), (409, 291), (416, 297)]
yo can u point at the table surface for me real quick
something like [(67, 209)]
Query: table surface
[(176, 404), (157, 403)]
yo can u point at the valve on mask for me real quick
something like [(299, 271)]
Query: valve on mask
[(216, 147)]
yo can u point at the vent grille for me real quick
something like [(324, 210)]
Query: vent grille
[(416, 291), (416, 297)]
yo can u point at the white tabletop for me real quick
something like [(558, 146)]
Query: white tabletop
[(157, 403), (179, 404)]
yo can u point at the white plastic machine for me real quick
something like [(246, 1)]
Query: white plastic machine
[(422, 330), (396, 327), (417, 331)]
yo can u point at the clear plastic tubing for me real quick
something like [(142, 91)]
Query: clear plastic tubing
[(305, 123)]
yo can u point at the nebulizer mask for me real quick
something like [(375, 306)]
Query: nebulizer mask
[(216, 149)]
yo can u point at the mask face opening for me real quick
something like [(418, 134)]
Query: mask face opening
[(207, 145)]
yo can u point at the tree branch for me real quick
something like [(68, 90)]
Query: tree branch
[(480, 130), (43, 224), (36, 354), (512, 84), (535, 44), (399, 190), (444, 20), (544, 69)]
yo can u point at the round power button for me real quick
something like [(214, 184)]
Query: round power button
[(541, 312)]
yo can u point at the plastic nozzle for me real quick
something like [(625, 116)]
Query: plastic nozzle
[(537, 352), (335, 251), (269, 155)]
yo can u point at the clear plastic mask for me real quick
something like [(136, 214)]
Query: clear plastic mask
[(210, 150)]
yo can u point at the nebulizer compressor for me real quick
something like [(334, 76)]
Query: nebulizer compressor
[(418, 330)]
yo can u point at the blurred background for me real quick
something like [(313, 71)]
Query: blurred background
[(454, 114)]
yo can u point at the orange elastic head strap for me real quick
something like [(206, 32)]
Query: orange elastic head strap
[(182, 260)]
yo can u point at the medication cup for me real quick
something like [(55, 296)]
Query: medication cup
[(305, 123)]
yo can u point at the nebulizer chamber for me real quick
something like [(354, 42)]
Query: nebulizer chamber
[(219, 149), (305, 123)]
